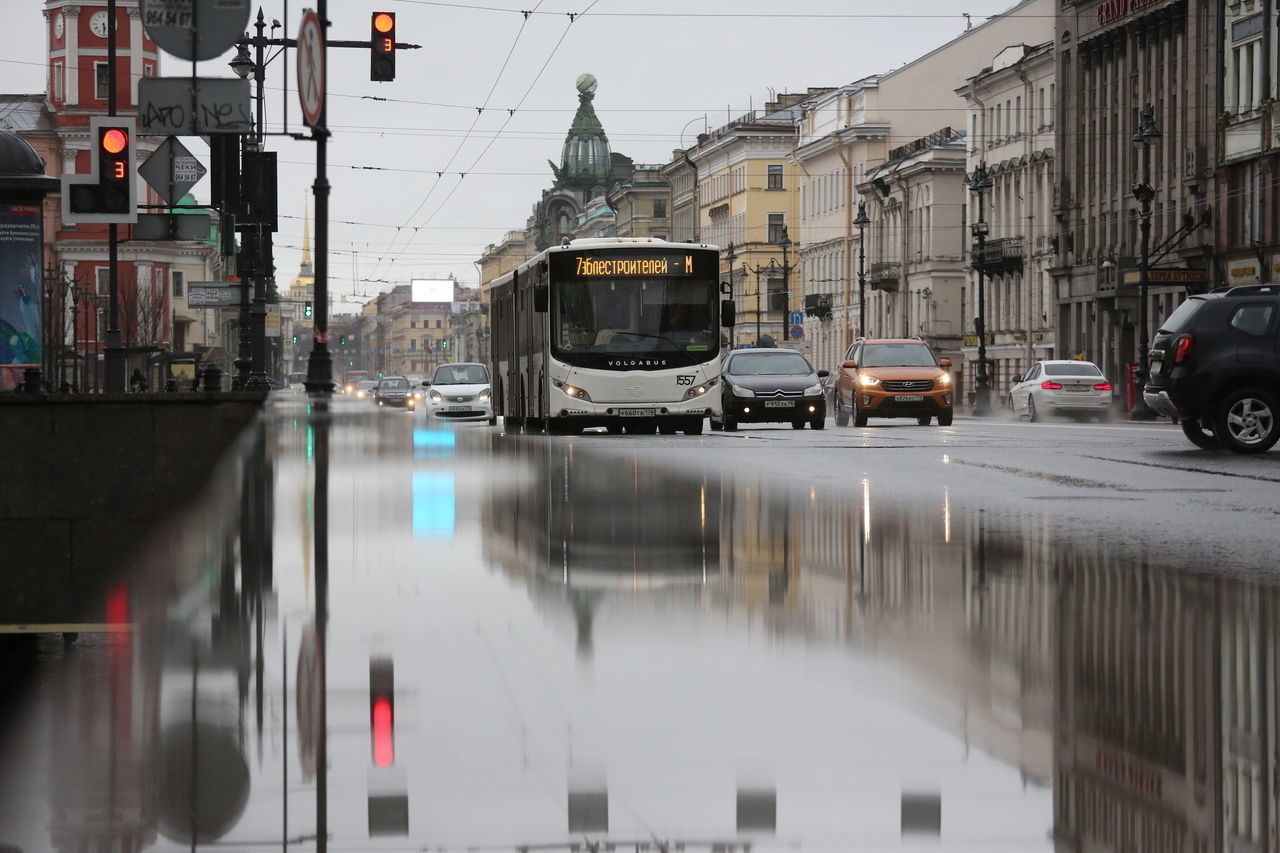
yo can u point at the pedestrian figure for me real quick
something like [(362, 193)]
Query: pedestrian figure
[(137, 382), (66, 388)]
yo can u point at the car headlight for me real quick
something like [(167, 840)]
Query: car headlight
[(813, 390), (944, 379), (360, 395), (484, 395), (739, 391), (867, 381), (435, 396)]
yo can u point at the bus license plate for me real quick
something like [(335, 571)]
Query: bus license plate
[(909, 398), (635, 413), (778, 404)]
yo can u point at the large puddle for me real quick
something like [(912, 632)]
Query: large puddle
[(382, 636)]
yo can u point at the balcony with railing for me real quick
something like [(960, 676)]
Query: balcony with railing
[(999, 255), (885, 275)]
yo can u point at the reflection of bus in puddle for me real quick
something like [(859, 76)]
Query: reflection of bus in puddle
[(611, 526)]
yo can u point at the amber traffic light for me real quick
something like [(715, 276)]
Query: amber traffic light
[(382, 43), (109, 192)]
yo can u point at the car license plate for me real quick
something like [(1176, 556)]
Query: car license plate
[(458, 409), (778, 404), (909, 398), (1079, 388), (635, 413)]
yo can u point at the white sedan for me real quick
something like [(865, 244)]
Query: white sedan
[(1061, 387), (459, 392)]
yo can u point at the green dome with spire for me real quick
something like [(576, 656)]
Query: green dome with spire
[(585, 158)]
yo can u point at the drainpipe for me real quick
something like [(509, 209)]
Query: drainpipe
[(1029, 200), (697, 210), (848, 246)]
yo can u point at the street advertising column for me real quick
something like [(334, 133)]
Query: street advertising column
[(20, 314)]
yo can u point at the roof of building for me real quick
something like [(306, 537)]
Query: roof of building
[(26, 114)]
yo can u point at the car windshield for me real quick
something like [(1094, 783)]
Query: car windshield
[(461, 374), (394, 384), (1181, 317), (897, 355), (1077, 368), (772, 364)]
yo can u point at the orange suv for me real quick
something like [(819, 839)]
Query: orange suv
[(892, 378)]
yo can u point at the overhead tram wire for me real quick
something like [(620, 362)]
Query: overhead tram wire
[(572, 20), (462, 142)]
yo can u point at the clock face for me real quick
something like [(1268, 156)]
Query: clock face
[(98, 23), (58, 25)]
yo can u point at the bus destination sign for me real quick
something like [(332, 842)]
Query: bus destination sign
[(623, 266)]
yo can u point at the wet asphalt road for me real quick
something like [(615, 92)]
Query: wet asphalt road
[(995, 636)]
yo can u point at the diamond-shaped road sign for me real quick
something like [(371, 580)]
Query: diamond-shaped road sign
[(172, 170)]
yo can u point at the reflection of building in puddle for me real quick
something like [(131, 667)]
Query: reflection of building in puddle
[(1140, 726)]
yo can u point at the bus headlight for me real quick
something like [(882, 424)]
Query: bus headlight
[(572, 391), (699, 390)]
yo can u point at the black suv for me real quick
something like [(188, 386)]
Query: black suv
[(1215, 365)]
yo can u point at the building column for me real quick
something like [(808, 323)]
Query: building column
[(71, 82)]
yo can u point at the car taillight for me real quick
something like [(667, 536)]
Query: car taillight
[(1181, 347), (1102, 386), (1050, 385)]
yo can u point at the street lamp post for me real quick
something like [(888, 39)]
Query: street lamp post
[(862, 221), (979, 183), (1143, 192), (784, 242)]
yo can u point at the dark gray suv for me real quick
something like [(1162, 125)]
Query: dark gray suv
[(1215, 365)]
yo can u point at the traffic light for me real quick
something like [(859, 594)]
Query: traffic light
[(342, 340), (295, 339), (307, 313), (382, 44), (444, 344), (109, 193), (382, 711)]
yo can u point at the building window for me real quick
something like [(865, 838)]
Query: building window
[(659, 208), (102, 80), (179, 279), (777, 222), (59, 82), (775, 177), (104, 280)]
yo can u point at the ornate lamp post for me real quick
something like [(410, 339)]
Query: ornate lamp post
[(862, 221), (979, 183), (1143, 192), (784, 243)]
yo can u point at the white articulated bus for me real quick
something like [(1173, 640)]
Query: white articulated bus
[(622, 333)]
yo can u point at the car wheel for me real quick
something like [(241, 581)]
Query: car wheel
[(818, 423), (493, 421), (716, 426), (842, 416), (1246, 421), (730, 425), (797, 424), (944, 419), (693, 426), (859, 419), (1199, 434), (1031, 409), (924, 420), (1012, 410)]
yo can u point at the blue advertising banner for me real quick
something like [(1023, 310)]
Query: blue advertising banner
[(20, 299)]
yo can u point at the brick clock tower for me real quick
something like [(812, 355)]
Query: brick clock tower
[(149, 273)]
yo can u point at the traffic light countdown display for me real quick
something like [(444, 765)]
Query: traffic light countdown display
[(382, 44), (109, 193)]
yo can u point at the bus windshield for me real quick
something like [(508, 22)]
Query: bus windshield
[(635, 317)]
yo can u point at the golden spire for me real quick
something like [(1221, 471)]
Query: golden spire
[(307, 267)]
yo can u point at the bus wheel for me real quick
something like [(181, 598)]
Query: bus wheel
[(559, 426), (644, 427), (716, 426), (693, 426), (613, 429), (667, 428)]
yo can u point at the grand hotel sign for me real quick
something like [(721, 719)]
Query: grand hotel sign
[(1114, 10)]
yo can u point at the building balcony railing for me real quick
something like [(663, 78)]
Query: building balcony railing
[(999, 255), (885, 275), (818, 305)]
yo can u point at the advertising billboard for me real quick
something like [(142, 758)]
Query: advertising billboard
[(437, 290), (20, 295)]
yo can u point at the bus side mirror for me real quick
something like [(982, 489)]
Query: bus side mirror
[(541, 298), (727, 313)]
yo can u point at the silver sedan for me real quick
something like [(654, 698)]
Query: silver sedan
[(1061, 387)]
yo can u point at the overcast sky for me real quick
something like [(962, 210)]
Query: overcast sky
[(664, 67)]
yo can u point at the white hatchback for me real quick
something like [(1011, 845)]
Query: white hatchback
[(460, 392), (1061, 387)]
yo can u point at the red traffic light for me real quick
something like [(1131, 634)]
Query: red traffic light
[(114, 140), (382, 711)]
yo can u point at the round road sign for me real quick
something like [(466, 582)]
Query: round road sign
[(195, 29), (797, 333), (311, 50)]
